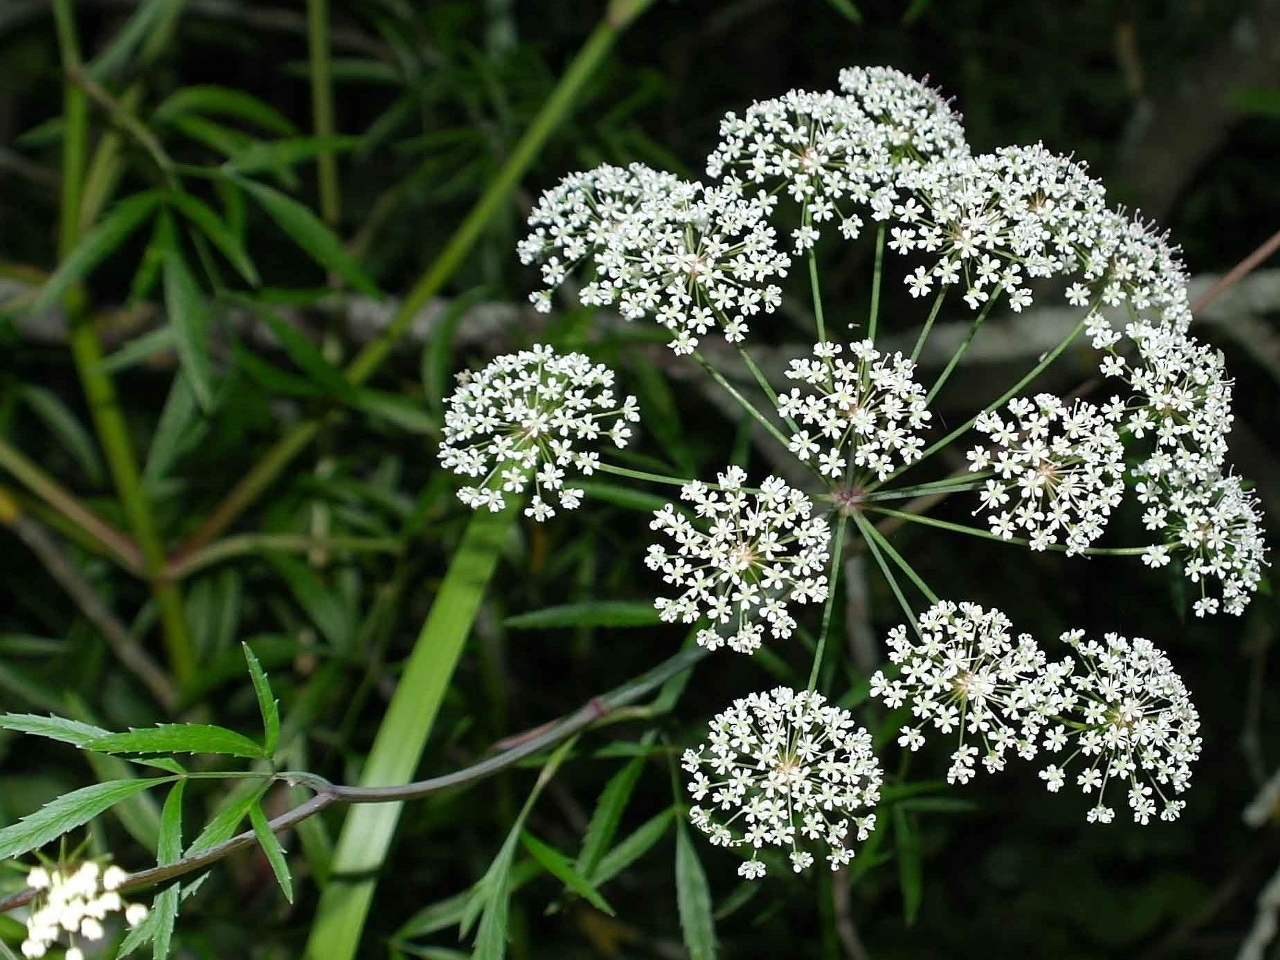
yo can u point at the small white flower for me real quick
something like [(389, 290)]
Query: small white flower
[(868, 411), (785, 769), (74, 902), (1130, 719), (964, 673), (758, 552), (524, 419)]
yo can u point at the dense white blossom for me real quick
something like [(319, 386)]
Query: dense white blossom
[(532, 417), (74, 903), (911, 115), (1129, 718), (689, 256), (867, 410), (785, 769), (963, 672), (1059, 471), (742, 561)]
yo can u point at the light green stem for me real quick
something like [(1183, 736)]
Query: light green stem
[(86, 351), (928, 324), (322, 108), (742, 401), (559, 105), (253, 543), (837, 548), (1013, 391), (963, 348), (640, 475), (1019, 541), (945, 485), (870, 541), (874, 315), (883, 543), (817, 297)]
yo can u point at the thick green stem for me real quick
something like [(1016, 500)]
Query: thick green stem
[(558, 106), (836, 549), (86, 351), (322, 108)]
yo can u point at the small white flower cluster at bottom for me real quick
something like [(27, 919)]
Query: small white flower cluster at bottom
[(76, 902)]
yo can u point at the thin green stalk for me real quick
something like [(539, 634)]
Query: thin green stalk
[(117, 542), (817, 297), (952, 484), (764, 383), (640, 475), (86, 351), (322, 108), (928, 324), (559, 105), (836, 549), (742, 401), (869, 540), (1013, 391), (1019, 541), (874, 314), (963, 348), (254, 543), (883, 542)]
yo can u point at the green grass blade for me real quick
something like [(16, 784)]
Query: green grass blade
[(397, 750)]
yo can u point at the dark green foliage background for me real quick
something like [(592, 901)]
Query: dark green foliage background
[(1011, 872)]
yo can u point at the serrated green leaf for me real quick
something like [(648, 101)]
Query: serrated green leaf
[(55, 728), (179, 738), (96, 245), (589, 613), (693, 899), (270, 844), (608, 815), (186, 310), (218, 233), (179, 429), (68, 812), (310, 233), (561, 867), (165, 908), (169, 849), (325, 607), (226, 822), (68, 429), (632, 847), (267, 704), (909, 873), (223, 101)]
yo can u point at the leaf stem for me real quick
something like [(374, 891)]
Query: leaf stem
[(863, 526), (836, 549), (1019, 541), (742, 401), (641, 475), (322, 108), (964, 346), (874, 314), (928, 324)]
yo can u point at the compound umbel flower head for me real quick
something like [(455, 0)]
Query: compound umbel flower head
[(74, 902), (1130, 719), (762, 550), (785, 769), (525, 418)]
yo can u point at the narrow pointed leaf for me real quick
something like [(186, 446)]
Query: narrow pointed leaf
[(305, 354), (223, 101), (608, 814), (310, 233), (561, 867), (226, 822), (632, 847), (693, 898), (267, 704), (55, 728), (141, 349), (178, 430), (187, 318), (590, 613), (909, 873), (219, 234), (68, 812), (96, 245), (271, 847), (179, 738), (66, 426), (274, 154)]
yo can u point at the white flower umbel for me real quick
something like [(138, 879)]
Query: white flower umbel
[(785, 769), (532, 417), (964, 673), (689, 256), (866, 411), (1059, 471), (742, 562), (1214, 528), (1129, 718), (74, 903), (912, 116)]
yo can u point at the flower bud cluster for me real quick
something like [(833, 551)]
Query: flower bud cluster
[(75, 903)]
